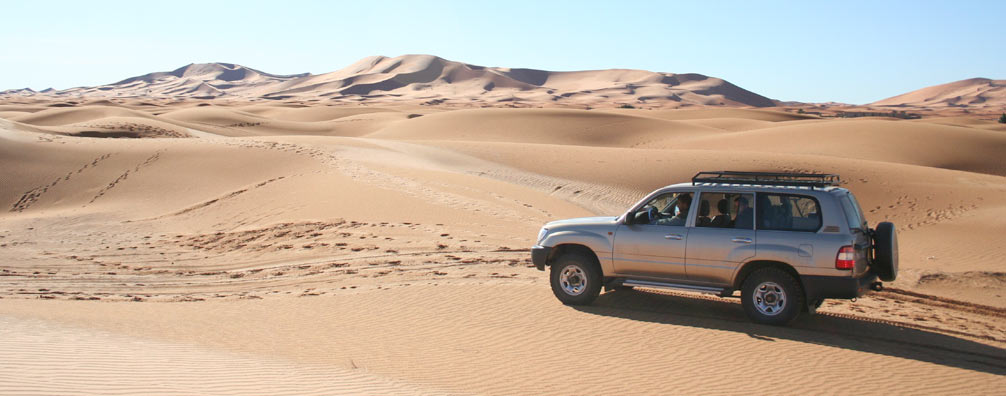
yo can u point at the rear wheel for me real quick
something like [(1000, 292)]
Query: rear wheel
[(576, 279), (771, 296)]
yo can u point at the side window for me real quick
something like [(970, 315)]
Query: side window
[(861, 221), (784, 212), (851, 209), (669, 209), (725, 210)]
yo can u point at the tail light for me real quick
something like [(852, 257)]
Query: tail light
[(846, 258)]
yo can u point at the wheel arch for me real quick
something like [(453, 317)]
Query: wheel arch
[(754, 265), (563, 248)]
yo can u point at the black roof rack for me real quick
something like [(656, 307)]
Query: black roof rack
[(767, 178)]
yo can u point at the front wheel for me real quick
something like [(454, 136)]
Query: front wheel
[(576, 279), (771, 296)]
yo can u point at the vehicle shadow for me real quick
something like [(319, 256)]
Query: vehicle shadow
[(846, 333)]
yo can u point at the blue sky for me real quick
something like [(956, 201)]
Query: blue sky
[(845, 51)]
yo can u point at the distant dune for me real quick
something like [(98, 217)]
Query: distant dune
[(973, 92), (429, 80)]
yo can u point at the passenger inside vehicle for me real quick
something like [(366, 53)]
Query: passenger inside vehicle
[(745, 217), (787, 213), (722, 220), (703, 220)]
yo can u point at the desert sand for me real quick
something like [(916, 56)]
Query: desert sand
[(156, 245)]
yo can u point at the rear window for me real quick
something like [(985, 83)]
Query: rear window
[(785, 212), (853, 214)]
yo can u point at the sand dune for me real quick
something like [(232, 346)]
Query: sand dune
[(109, 121), (430, 80), (974, 92), (426, 79), (430, 77), (543, 126), (281, 247), (214, 116), (973, 150), (70, 115), (715, 114), (312, 113), (205, 80)]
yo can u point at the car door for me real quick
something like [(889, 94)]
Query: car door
[(655, 249), (787, 227), (715, 249)]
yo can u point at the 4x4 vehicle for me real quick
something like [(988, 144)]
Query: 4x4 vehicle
[(787, 241)]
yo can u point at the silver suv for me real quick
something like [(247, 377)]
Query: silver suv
[(787, 241)]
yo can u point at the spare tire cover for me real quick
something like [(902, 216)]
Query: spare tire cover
[(885, 252)]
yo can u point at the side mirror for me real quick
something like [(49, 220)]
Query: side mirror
[(641, 217)]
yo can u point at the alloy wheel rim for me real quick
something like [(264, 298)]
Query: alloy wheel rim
[(769, 298), (573, 280)]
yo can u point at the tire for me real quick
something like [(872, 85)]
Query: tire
[(885, 252), (576, 279), (772, 296)]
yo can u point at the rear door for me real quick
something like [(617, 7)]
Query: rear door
[(716, 248), (859, 227), (787, 227)]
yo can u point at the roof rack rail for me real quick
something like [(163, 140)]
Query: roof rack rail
[(768, 178)]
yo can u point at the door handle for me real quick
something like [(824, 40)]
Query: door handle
[(676, 237), (741, 240)]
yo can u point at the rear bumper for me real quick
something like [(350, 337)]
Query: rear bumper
[(539, 256), (822, 287)]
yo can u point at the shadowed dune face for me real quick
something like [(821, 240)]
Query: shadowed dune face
[(387, 246)]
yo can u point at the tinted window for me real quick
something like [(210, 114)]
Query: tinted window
[(859, 211), (725, 210), (852, 212), (786, 212)]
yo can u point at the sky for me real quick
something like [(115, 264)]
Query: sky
[(810, 51)]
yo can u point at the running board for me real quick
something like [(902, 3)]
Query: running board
[(674, 286)]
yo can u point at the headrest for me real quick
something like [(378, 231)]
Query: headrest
[(704, 208), (723, 206)]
